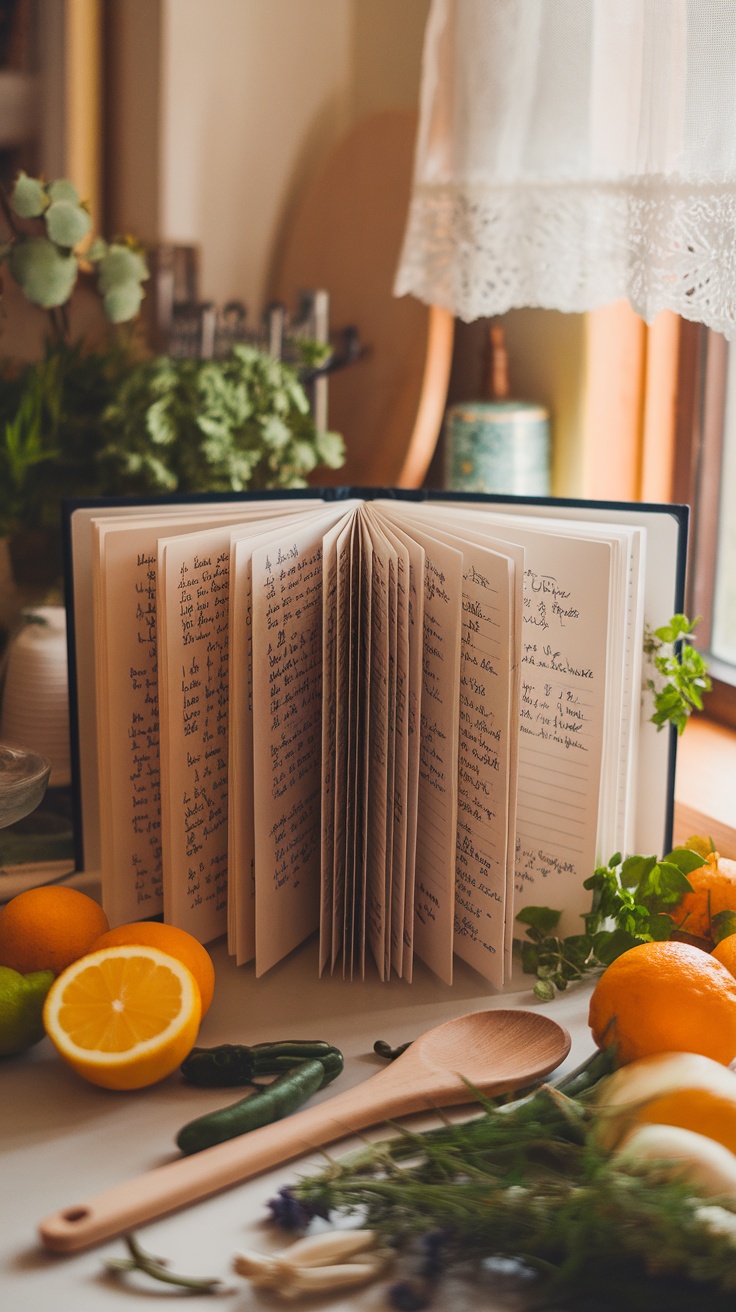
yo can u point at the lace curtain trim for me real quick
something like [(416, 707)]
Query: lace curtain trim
[(479, 251)]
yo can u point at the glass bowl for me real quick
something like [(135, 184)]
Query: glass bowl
[(23, 779)]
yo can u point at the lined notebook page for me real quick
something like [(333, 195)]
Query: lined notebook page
[(565, 627)]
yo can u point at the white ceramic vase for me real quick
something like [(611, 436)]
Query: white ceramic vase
[(35, 707)]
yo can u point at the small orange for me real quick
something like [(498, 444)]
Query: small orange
[(177, 942), (714, 890), (665, 997), (124, 1017), (47, 928), (725, 952)]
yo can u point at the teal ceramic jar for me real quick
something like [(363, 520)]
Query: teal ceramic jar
[(497, 446)]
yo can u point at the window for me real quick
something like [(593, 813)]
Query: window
[(705, 477)]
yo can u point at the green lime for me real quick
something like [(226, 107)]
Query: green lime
[(21, 1006)]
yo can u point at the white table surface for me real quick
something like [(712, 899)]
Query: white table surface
[(63, 1140)]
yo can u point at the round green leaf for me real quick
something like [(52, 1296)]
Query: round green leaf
[(120, 265), (97, 250), (123, 302), (45, 273), (66, 223), (62, 189), (28, 198)]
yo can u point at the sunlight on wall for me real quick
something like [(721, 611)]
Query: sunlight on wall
[(252, 95)]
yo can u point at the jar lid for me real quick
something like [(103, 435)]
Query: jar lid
[(497, 412)]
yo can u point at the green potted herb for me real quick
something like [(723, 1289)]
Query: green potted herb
[(107, 421), (50, 409), (179, 425)]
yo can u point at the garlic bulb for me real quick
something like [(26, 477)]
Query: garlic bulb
[(319, 1264), (683, 1154)]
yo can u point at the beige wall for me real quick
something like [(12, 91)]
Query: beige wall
[(221, 109), (253, 93)]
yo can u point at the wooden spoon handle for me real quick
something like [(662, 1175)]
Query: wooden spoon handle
[(189, 1179)]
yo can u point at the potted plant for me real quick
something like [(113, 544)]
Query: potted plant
[(181, 425), (50, 409), (107, 420)]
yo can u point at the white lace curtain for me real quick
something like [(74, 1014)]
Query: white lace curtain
[(576, 152)]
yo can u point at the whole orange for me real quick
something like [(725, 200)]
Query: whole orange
[(49, 927), (714, 890), (665, 997), (167, 938), (725, 952)]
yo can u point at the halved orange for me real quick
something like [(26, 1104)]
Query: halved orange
[(177, 942), (124, 1017)]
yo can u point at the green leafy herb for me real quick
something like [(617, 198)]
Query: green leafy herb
[(224, 425), (50, 433), (681, 673), (632, 900), (528, 1182), (157, 1269), (722, 925)]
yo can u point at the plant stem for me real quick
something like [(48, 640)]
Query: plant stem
[(8, 213), (155, 1267)]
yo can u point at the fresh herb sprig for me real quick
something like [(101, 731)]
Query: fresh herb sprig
[(681, 672), (528, 1182), (632, 899)]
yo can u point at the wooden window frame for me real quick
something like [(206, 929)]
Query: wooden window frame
[(699, 435)]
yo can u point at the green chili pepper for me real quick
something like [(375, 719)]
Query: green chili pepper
[(231, 1064), (279, 1099), (332, 1064)]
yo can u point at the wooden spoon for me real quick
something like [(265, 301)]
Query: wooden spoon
[(492, 1050)]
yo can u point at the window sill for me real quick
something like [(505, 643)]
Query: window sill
[(705, 785)]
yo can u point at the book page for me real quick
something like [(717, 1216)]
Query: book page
[(629, 774), (329, 741), (415, 676), (129, 774), (343, 553), (565, 630), (397, 650), (353, 845), (487, 764), (241, 822), (364, 747), (406, 732), (125, 571), (241, 817), (434, 896), (381, 755), (623, 672), (287, 737), (665, 531), (194, 602)]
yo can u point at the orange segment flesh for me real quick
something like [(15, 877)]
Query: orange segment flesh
[(119, 1002)]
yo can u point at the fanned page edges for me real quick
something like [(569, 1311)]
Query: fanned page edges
[(391, 722)]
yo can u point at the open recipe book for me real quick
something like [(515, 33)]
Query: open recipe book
[(391, 718)]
